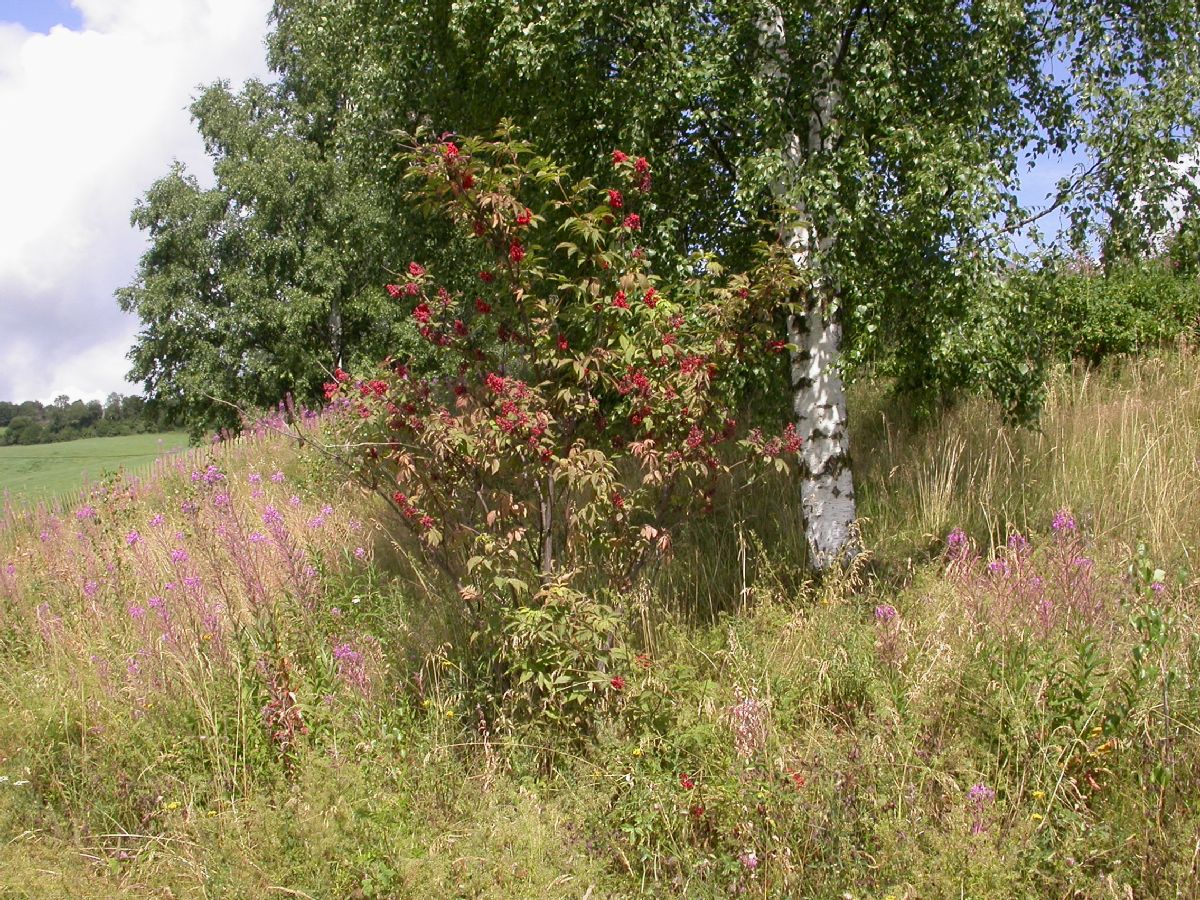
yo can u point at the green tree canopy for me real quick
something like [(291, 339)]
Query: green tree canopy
[(883, 140)]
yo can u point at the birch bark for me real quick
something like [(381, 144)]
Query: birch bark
[(815, 335)]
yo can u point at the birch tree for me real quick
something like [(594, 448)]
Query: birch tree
[(885, 141)]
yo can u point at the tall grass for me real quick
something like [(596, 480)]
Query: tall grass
[(1119, 445), (224, 680)]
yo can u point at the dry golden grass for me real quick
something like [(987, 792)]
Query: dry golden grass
[(1119, 446)]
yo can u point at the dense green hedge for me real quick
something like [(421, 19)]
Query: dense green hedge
[(1091, 314)]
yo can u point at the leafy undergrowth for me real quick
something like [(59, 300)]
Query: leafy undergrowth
[(221, 682)]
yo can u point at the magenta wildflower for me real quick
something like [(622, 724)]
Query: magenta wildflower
[(981, 793), (1063, 522), (133, 538), (885, 613), (179, 555), (272, 516), (980, 797), (360, 553), (278, 477), (85, 512), (749, 859)]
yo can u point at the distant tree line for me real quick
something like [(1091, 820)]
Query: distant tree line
[(66, 420)]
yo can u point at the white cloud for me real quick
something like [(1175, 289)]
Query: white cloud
[(91, 118)]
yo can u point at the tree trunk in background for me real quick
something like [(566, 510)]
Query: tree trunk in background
[(818, 393)]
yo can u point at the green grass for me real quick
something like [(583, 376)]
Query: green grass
[(48, 470), (912, 729)]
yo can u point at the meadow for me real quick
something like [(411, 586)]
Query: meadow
[(43, 471), (232, 678)]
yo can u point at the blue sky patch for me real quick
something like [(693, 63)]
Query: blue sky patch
[(41, 15)]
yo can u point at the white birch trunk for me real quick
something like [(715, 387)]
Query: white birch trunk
[(819, 394)]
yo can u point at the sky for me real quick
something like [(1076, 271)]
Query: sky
[(93, 108)]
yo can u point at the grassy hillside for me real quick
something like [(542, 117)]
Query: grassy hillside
[(49, 470), (226, 681)]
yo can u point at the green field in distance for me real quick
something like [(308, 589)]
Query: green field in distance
[(44, 471)]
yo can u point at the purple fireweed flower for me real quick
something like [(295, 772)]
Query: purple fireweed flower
[(278, 477), (346, 653), (316, 521), (997, 567), (885, 613), (327, 510), (90, 588), (170, 586), (180, 536), (1063, 522), (179, 555), (132, 538), (1017, 541), (132, 667), (187, 507), (46, 536), (220, 500), (310, 572), (257, 494), (254, 478), (256, 537), (10, 570), (354, 524), (980, 794), (1158, 587), (360, 552), (293, 501), (85, 512), (1082, 562), (272, 516), (158, 520), (155, 602), (136, 612), (749, 860), (191, 582), (956, 539), (211, 475)]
